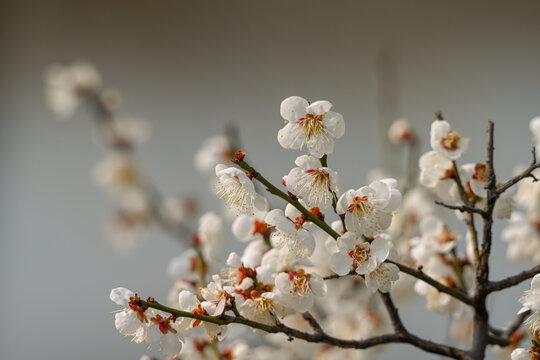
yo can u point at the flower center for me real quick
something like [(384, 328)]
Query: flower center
[(445, 235), (125, 176), (311, 124), (300, 281), (361, 205), (480, 172), (451, 141), (360, 254)]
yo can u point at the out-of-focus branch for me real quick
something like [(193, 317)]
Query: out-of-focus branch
[(503, 337)]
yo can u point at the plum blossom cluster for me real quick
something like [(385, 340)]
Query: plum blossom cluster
[(324, 266)]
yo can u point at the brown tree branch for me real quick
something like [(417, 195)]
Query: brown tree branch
[(513, 280), (462, 208), (524, 174), (321, 337)]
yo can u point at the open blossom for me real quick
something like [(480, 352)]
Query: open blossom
[(523, 236), (264, 308), (401, 132), (314, 126), (147, 326), (382, 277), (368, 210), (211, 235), (297, 289), (252, 227), (530, 299), (534, 125), (119, 175), (66, 85), (214, 150), (238, 190), (188, 302), (447, 142), (287, 234), (362, 256), (312, 182), (436, 239)]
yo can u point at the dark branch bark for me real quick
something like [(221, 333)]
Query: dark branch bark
[(524, 174), (456, 293), (503, 337), (513, 280), (462, 208), (321, 337)]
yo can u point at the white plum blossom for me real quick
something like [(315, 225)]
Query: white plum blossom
[(146, 325), (287, 234), (119, 174), (264, 308), (185, 266), (447, 142), (530, 299), (362, 256), (401, 132), (434, 168), (382, 277), (66, 86), (214, 150), (436, 238), (252, 227), (314, 126), (297, 289), (312, 182), (523, 237), (188, 302), (237, 190), (368, 210), (534, 125), (211, 235), (521, 354), (216, 294)]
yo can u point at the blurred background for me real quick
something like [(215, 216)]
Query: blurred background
[(192, 66)]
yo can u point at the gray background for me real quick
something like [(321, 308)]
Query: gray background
[(191, 66)]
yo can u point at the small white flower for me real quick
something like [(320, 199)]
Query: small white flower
[(188, 302), (252, 227), (119, 175), (211, 235), (297, 289), (436, 239), (314, 126), (523, 236), (264, 308), (362, 256), (521, 354), (286, 234), (238, 190), (382, 277), (312, 182), (447, 142), (534, 125), (434, 168), (214, 150), (401, 132), (66, 85), (368, 210), (530, 299)]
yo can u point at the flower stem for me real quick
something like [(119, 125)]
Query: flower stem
[(274, 190)]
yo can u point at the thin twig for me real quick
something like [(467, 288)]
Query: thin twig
[(513, 280), (524, 174), (503, 337), (313, 323), (274, 190), (456, 293), (462, 208)]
